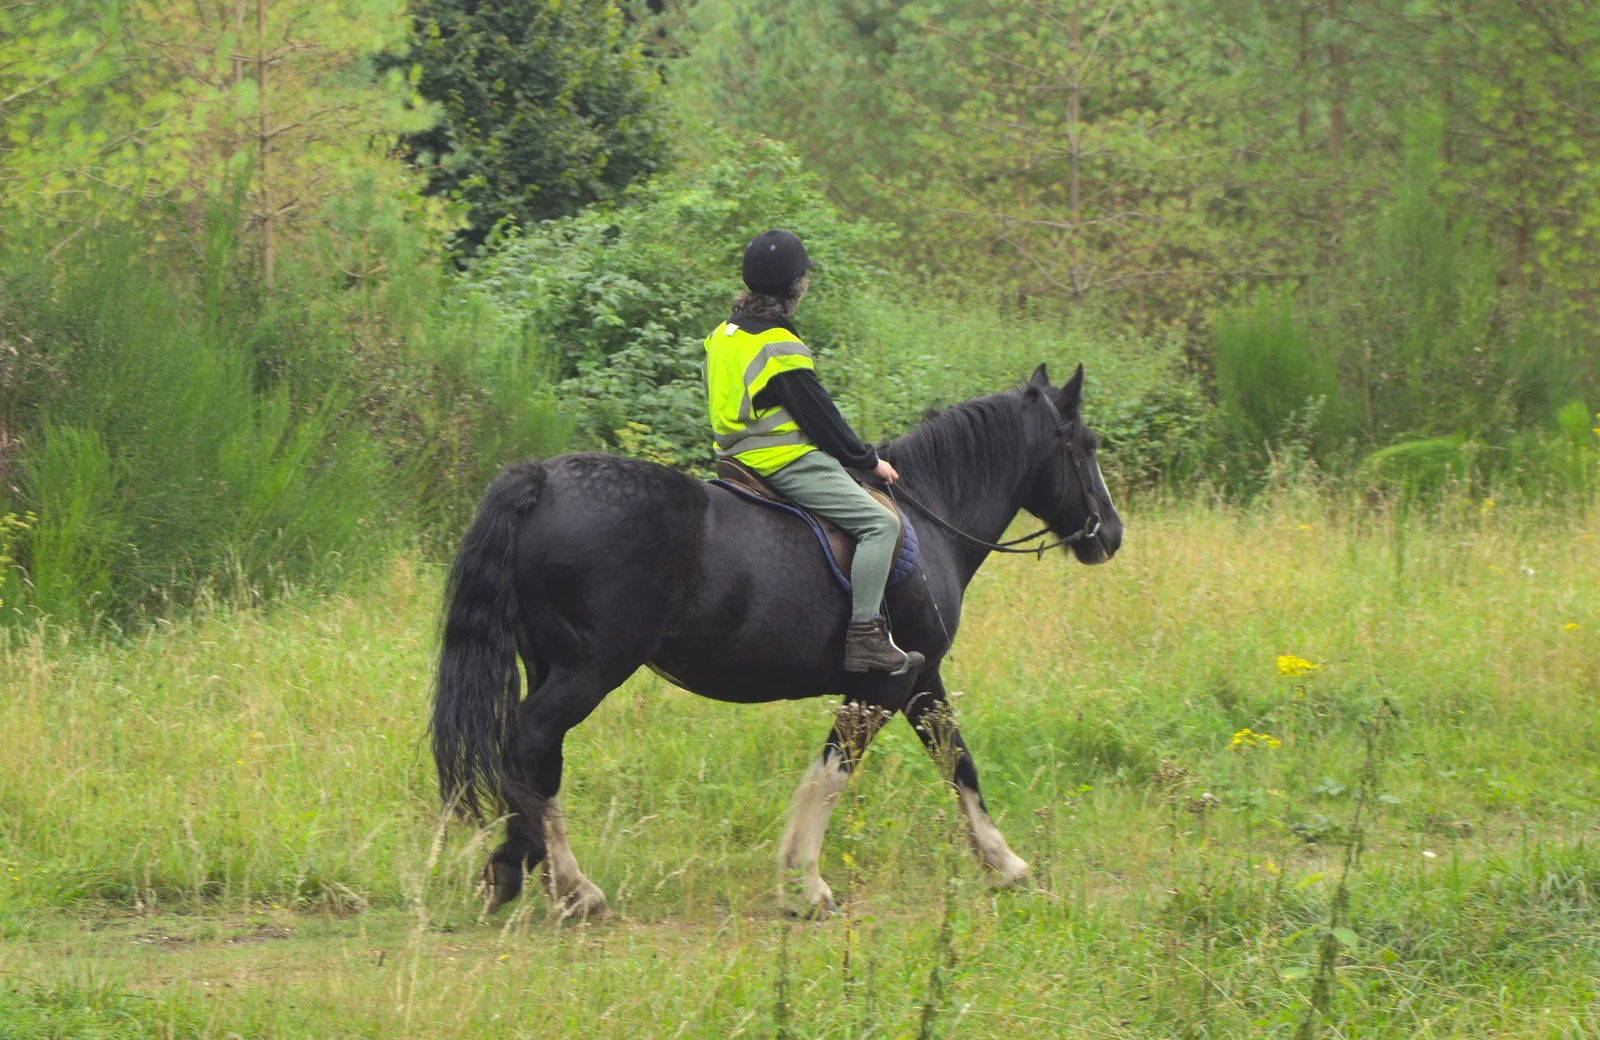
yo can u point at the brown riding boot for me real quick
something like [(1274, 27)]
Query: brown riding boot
[(868, 648)]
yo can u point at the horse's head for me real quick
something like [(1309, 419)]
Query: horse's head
[(1066, 490)]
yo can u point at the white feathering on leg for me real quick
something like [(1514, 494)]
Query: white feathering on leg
[(801, 849), (988, 842), (574, 894)]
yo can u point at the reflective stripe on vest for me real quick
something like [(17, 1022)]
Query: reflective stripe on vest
[(737, 367)]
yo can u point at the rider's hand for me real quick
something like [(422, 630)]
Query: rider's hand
[(886, 472)]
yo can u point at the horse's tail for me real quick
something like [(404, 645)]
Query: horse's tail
[(477, 685)]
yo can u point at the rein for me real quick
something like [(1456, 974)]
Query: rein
[(1090, 528), (1091, 524)]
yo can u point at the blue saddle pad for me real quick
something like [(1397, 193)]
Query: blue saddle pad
[(905, 561)]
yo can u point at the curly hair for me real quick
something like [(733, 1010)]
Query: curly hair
[(770, 307)]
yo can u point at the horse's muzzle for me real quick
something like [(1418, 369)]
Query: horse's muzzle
[(1103, 545)]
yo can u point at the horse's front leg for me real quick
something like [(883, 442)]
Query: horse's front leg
[(800, 886), (930, 715)]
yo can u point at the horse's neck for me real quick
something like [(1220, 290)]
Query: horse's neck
[(992, 527), (982, 509)]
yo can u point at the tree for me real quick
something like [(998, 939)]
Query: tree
[(1154, 153), (547, 105), (1049, 145), (170, 104)]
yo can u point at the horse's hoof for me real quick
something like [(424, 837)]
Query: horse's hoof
[(815, 903), (1013, 873), (814, 912), (502, 884), (585, 903)]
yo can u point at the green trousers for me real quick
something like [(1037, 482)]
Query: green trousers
[(816, 481)]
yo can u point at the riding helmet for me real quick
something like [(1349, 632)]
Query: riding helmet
[(773, 260)]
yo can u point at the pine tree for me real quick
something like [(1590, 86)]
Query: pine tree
[(547, 106)]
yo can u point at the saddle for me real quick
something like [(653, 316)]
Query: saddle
[(839, 544)]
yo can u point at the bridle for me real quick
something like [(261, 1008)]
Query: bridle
[(1091, 524)]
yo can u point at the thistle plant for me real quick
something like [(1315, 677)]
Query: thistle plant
[(941, 723), (1377, 734)]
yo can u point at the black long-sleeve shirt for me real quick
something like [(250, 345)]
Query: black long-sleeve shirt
[(802, 394), (814, 411)]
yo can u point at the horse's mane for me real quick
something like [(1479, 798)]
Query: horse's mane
[(966, 447)]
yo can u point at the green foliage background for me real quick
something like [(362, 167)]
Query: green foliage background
[(242, 346)]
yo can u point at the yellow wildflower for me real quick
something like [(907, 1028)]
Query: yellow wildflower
[(1248, 738), (1571, 626), (1488, 504), (1289, 664)]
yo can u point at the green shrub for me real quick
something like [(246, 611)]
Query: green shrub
[(1422, 465), (174, 428), (367, 312), (1430, 340), (1268, 371), (163, 463), (79, 533), (1573, 452)]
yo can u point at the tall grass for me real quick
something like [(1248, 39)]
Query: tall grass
[(277, 753)]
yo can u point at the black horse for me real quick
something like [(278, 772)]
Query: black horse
[(591, 565)]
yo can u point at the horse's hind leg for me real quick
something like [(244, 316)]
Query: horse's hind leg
[(563, 882), (930, 715), (503, 872), (801, 887), (537, 832)]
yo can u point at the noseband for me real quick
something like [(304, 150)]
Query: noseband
[(1091, 524)]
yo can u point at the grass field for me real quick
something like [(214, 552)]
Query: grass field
[(229, 827)]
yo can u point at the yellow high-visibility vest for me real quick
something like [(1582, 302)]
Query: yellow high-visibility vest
[(738, 364)]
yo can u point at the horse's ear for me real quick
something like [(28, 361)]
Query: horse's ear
[(1040, 378), (1072, 393)]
